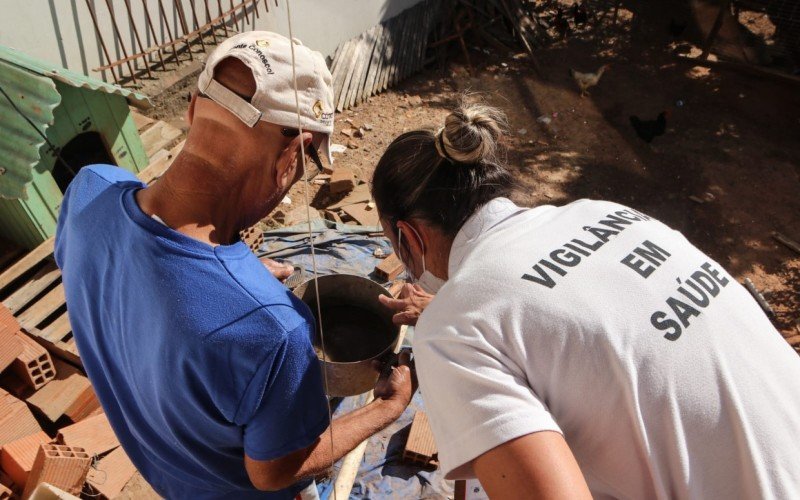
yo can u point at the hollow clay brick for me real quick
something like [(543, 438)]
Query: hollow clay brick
[(17, 457), (10, 347), (93, 434), (111, 473), (63, 394), (7, 320), (64, 467), (16, 419), (34, 365), (420, 447)]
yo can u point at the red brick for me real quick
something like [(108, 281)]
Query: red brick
[(62, 466), (34, 365), (61, 395), (18, 456), (16, 420), (342, 180), (94, 434), (10, 347), (111, 473), (420, 447)]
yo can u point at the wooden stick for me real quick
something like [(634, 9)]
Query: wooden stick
[(351, 462), (786, 241)]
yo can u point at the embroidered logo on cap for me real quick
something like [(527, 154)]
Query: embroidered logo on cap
[(317, 108), (262, 43)]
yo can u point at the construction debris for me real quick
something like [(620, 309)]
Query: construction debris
[(389, 268), (111, 473), (363, 214), (16, 419), (93, 434), (789, 243), (342, 180), (17, 457), (759, 297)]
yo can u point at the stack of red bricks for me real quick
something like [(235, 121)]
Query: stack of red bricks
[(52, 429)]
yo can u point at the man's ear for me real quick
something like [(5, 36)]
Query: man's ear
[(286, 167), (190, 112)]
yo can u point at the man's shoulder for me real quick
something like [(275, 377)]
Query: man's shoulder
[(94, 180)]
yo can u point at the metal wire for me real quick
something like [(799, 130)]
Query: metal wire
[(311, 235)]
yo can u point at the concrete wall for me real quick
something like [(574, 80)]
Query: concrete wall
[(62, 32)]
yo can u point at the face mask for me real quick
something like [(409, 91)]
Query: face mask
[(428, 281)]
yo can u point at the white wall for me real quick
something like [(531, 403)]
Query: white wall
[(62, 32)]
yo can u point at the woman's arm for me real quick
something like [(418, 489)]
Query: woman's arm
[(537, 465)]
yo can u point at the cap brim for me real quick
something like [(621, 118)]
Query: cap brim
[(325, 148)]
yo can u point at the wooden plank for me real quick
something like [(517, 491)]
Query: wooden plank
[(159, 136), (157, 168), (389, 268), (338, 64), (46, 306), (375, 63), (45, 277), (409, 47), (347, 74), (358, 195), (361, 74), (62, 349), (391, 43), (404, 36), (26, 263), (58, 329), (141, 121)]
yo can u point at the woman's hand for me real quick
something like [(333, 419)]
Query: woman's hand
[(409, 305)]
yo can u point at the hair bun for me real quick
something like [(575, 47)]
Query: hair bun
[(471, 133)]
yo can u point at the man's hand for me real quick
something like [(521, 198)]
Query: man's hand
[(397, 386), (408, 307), (280, 270)]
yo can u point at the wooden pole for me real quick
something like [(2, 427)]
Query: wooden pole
[(351, 462), (712, 35)]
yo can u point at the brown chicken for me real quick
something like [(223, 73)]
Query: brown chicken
[(587, 80)]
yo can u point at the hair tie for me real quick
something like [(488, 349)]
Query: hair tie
[(440, 147)]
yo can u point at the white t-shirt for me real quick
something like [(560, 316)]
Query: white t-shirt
[(593, 320)]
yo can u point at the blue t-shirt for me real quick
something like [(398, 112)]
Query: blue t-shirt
[(198, 354)]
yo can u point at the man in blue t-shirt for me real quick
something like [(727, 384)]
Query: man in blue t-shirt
[(201, 359)]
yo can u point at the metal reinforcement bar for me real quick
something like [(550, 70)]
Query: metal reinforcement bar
[(169, 43)]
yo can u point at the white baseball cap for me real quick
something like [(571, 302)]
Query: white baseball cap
[(269, 56)]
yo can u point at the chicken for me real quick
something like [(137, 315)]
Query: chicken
[(647, 130), (580, 14), (587, 80)]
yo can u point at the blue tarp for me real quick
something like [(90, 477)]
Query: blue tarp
[(340, 248)]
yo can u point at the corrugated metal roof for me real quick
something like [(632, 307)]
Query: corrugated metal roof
[(30, 86), (35, 97), (72, 78)]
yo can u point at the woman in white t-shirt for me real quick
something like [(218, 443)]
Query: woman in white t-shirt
[(577, 351)]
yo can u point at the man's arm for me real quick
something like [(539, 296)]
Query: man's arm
[(540, 464), (392, 396)]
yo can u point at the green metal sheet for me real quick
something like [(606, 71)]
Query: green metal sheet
[(72, 78), (35, 98)]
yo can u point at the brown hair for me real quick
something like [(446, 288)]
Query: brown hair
[(443, 177)]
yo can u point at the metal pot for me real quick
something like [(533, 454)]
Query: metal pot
[(356, 329)]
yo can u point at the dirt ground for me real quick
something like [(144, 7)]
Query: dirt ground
[(733, 140)]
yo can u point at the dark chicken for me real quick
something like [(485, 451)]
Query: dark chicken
[(647, 130)]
